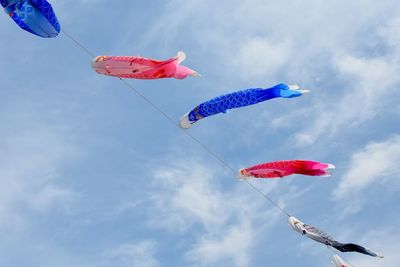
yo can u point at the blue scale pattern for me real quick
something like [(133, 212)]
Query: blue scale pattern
[(238, 99)]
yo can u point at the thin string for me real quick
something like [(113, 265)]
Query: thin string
[(79, 44), (223, 162), (196, 140)]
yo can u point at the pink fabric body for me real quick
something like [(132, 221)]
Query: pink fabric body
[(283, 168), (140, 67)]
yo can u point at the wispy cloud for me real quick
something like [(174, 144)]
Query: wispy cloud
[(229, 248), (188, 197), (140, 254), (374, 166), (223, 221), (370, 81), (52, 195), (258, 57), (384, 239), (33, 157)]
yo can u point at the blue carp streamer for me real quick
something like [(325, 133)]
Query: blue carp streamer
[(34, 16), (238, 99)]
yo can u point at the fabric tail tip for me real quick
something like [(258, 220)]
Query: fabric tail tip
[(303, 91), (196, 74), (331, 166), (181, 56), (296, 87), (379, 255)]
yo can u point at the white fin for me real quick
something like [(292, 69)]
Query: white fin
[(294, 87), (331, 166), (303, 91), (181, 56)]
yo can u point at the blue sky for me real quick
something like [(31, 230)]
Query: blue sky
[(92, 175)]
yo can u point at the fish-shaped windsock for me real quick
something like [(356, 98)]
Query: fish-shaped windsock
[(142, 68), (238, 99), (322, 237), (339, 262), (281, 168), (34, 16)]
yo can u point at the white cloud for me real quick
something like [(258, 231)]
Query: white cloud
[(258, 57), (229, 249), (370, 85), (384, 241), (223, 221), (50, 196), (31, 159), (188, 197), (124, 207), (139, 254), (391, 33), (369, 90), (375, 164)]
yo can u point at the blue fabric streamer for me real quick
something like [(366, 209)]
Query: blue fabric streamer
[(239, 99), (34, 16)]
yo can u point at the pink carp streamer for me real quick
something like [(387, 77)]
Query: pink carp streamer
[(279, 169), (142, 68)]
